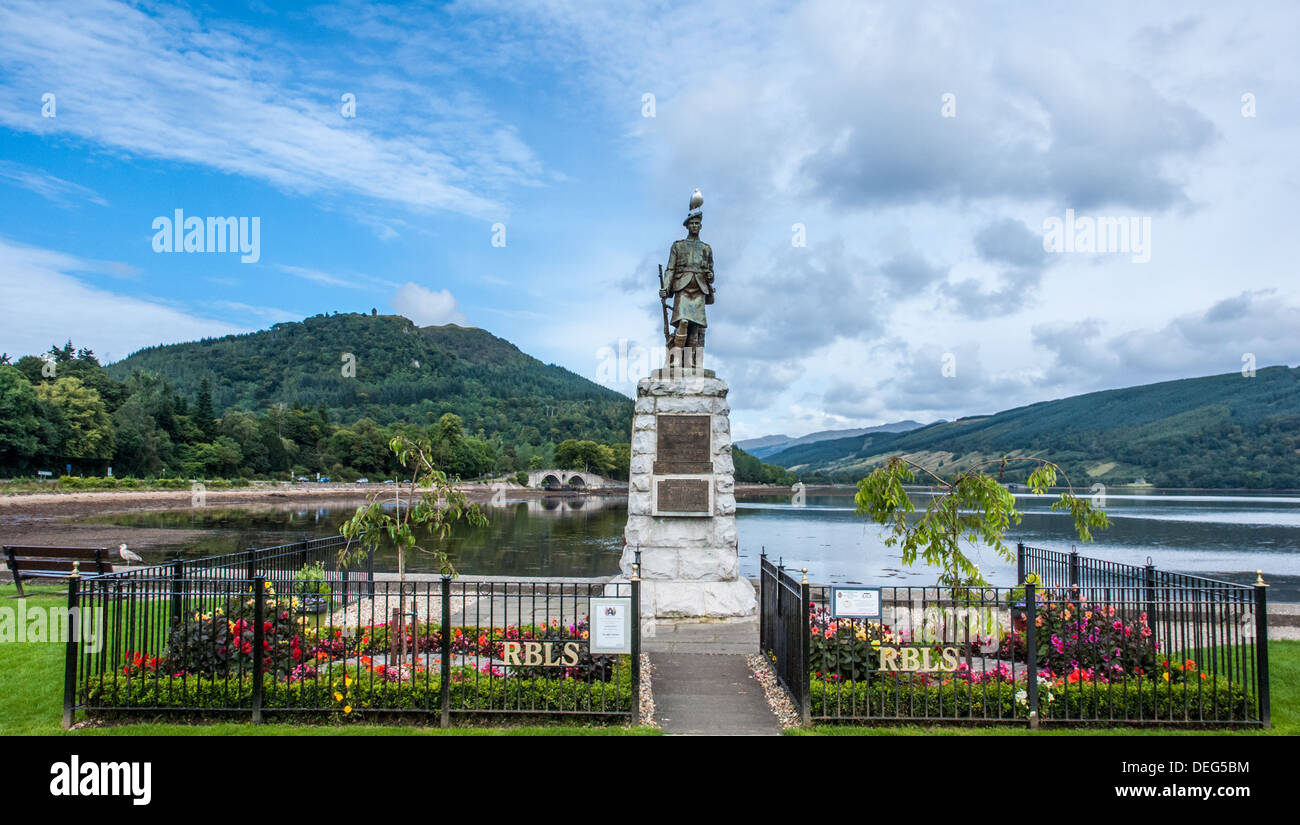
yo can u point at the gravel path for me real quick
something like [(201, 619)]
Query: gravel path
[(378, 610), (777, 698), (647, 698)]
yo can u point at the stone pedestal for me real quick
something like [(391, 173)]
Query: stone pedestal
[(681, 512)]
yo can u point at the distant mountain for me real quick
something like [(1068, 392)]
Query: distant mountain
[(767, 445), (1216, 431), (388, 369)]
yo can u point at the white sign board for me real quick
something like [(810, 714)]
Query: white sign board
[(611, 626), (855, 602)]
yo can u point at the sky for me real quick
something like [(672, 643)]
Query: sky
[(898, 195)]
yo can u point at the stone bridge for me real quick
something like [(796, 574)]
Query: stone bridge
[(569, 480)]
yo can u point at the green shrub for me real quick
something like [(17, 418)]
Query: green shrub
[(326, 694), (220, 641), (1211, 700)]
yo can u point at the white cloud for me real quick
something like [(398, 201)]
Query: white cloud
[(316, 276), (426, 307), (55, 190), (165, 84), (45, 305)]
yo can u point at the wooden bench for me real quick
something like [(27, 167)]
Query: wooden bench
[(55, 562)]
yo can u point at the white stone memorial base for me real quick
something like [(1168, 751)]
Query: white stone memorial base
[(689, 564)]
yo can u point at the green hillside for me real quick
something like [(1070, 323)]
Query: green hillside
[(1216, 431), (402, 373)]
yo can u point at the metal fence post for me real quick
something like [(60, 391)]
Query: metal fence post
[(178, 578), (762, 600), (259, 638), (252, 562), (370, 571), (1149, 601), (1261, 647), (1074, 567), (75, 631), (1020, 562), (1031, 652), (444, 686), (805, 643), (636, 644)]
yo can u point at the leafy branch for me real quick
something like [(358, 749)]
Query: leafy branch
[(971, 506), (433, 504)]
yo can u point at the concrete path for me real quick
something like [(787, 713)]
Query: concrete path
[(728, 636), (709, 694), (702, 685)]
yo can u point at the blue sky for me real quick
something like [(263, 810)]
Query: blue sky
[(923, 231)]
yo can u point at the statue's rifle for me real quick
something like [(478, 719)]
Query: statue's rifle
[(663, 302)]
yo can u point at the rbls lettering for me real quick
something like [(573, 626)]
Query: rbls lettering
[(541, 654)]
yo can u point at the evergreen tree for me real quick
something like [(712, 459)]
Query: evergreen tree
[(203, 418)]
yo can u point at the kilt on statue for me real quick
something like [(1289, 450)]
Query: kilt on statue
[(688, 281)]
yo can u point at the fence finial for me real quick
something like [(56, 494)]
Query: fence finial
[(1259, 579), (805, 575), (76, 569), (636, 572)]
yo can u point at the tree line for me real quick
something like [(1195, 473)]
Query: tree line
[(63, 412)]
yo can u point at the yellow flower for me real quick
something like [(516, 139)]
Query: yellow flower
[(347, 680), (1166, 676), (347, 708), (338, 697)]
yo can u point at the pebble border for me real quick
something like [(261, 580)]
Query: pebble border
[(777, 698), (647, 697)]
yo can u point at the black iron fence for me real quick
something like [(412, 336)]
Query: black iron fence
[(279, 563), (206, 639), (1054, 568), (1099, 649), (782, 629)]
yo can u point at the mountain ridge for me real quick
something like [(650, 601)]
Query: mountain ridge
[(766, 445), (1208, 431), (387, 368)]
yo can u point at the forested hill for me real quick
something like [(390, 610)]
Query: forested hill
[(402, 373), (1216, 431)]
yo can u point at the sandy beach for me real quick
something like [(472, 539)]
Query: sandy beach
[(45, 518)]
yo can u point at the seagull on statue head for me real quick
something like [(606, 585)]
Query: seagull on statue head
[(693, 211)]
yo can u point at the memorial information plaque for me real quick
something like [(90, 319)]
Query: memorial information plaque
[(683, 495), (683, 445)]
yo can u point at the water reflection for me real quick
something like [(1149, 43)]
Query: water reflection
[(1224, 536)]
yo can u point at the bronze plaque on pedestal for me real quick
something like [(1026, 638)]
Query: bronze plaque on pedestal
[(682, 495), (683, 444)]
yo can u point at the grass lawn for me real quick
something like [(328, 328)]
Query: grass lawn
[(31, 700)]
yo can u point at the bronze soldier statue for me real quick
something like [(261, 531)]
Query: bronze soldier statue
[(688, 280)]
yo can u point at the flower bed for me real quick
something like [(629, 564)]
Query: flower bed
[(1092, 662), (208, 664)]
